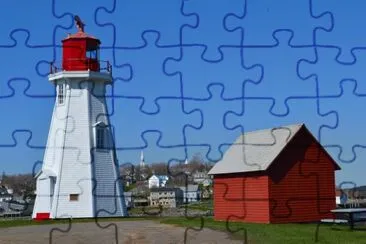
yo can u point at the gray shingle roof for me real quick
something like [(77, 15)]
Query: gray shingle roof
[(255, 150), (163, 189), (191, 188)]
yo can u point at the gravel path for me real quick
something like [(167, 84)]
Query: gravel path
[(137, 232)]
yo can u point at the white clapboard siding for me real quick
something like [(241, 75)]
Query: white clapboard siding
[(72, 160)]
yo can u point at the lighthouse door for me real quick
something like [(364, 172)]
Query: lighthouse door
[(52, 188)]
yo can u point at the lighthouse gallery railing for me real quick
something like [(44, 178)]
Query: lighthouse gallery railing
[(80, 65)]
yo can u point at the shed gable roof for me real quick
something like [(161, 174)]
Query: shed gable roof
[(256, 150)]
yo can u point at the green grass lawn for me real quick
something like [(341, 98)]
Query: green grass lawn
[(278, 233), (256, 233), (147, 209), (202, 205)]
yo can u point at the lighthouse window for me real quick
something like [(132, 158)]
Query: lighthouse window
[(74, 197), (93, 54), (61, 94), (100, 137)]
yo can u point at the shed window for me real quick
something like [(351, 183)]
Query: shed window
[(74, 197)]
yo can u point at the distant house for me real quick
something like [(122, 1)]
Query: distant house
[(200, 176), (166, 197), (353, 197), (14, 209), (157, 181), (5, 195), (154, 181), (190, 193), (280, 175)]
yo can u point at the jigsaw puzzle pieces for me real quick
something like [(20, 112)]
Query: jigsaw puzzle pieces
[(270, 93)]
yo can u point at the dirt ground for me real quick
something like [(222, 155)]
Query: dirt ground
[(123, 232)]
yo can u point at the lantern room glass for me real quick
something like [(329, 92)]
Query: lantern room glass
[(93, 53)]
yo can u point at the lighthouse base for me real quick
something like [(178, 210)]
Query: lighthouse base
[(42, 216), (80, 201)]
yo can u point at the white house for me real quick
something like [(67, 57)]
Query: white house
[(200, 176), (154, 181), (166, 197), (5, 197), (190, 193), (79, 176), (158, 181)]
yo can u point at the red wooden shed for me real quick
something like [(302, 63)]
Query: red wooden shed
[(277, 175)]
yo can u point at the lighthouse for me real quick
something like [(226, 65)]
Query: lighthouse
[(80, 172)]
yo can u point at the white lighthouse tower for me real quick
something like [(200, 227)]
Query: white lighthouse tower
[(80, 172)]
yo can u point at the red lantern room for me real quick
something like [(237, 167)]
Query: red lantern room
[(80, 51)]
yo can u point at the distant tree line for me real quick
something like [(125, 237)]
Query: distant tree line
[(180, 173), (21, 184)]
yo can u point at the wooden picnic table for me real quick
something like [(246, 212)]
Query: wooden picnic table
[(351, 212)]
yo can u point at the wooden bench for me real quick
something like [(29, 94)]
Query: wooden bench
[(354, 214), (335, 221)]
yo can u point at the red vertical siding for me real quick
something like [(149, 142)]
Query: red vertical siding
[(239, 197), (74, 51), (299, 186), (302, 182)]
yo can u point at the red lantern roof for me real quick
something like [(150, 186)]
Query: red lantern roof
[(80, 35)]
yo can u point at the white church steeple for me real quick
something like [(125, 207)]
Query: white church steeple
[(142, 160)]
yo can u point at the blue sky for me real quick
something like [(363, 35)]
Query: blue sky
[(236, 63)]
